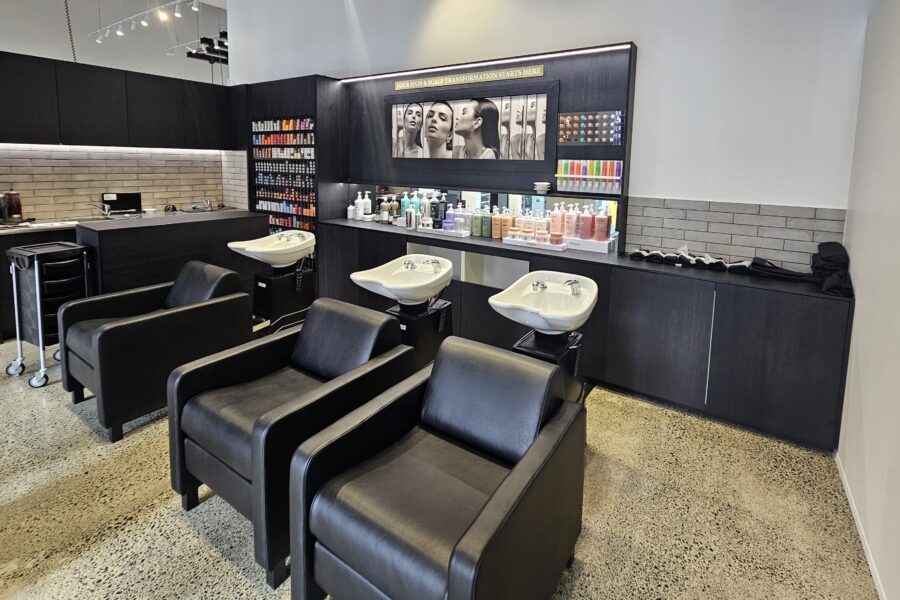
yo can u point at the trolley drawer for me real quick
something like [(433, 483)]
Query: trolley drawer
[(62, 269), (63, 287)]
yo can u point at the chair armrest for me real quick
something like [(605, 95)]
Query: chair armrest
[(145, 349), (349, 441), (520, 542), (127, 303), (229, 367), (278, 433), (117, 304)]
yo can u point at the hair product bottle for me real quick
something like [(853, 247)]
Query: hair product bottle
[(586, 231), (506, 222), (601, 226), (556, 220), (571, 220), (496, 224)]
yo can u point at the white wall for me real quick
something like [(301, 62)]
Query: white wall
[(869, 452), (745, 101), (38, 27)]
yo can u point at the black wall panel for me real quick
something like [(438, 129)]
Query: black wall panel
[(207, 115), (92, 105), (155, 111), (28, 113)]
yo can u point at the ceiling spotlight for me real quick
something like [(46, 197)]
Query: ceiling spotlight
[(178, 10), (163, 15), (99, 38), (133, 24), (170, 52), (119, 31), (106, 34), (144, 22), (195, 6)]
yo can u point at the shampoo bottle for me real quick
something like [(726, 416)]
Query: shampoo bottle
[(385, 209), (556, 220), (476, 223), (570, 221), (586, 219), (351, 211), (496, 225), (485, 222), (360, 206), (601, 226), (411, 217), (404, 204), (367, 205), (506, 222)]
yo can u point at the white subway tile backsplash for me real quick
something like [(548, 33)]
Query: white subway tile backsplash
[(734, 207), (768, 221), (816, 225)]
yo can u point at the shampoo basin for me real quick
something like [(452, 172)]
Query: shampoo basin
[(280, 249), (548, 301), (410, 279)]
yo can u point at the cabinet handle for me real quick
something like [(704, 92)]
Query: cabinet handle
[(712, 328)]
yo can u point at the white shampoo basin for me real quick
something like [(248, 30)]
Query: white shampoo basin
[(410, 279), (548, 301), (279, 249)]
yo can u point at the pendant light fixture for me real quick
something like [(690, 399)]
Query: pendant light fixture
[(133, 24), (178, 10), (195, 6), (119, 31)]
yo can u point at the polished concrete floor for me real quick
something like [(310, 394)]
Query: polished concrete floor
[(675, 507)]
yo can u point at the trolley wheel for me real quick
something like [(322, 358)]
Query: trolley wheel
[(14, 369), (56, 356), (37, 380)]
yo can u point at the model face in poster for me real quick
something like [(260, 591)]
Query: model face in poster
[(478, 124), (540, 128), (408, 141), (439, 130), (504, 128)]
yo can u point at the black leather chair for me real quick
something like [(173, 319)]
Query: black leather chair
[(123, 346), (236, 418), (461, 482)]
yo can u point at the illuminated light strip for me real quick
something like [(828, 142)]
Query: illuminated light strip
[(490, 63), (105, 149)]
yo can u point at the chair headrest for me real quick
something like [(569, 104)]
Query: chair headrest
[(199, 281)]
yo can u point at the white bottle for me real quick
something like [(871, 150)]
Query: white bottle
[(360, 206), (571, 221), (367, 204), (351, 211), (412, 218)]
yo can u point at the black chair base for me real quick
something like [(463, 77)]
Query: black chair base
[(278, 574), (114, 433), (190, 500)]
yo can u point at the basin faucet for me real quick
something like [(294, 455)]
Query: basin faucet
[(574, 285), (436, 264), (104, 208), (409, 265), (538, 284), (287, 235), (207, 203)]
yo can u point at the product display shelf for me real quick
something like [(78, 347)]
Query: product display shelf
[(283, 172)]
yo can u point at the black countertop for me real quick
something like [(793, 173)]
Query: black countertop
[(498, 248), (164, 218)]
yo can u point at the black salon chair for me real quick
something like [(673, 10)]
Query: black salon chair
[(461, 482), (236, 418), (123, 346)]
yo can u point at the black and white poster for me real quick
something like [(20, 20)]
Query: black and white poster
[(503, 128)]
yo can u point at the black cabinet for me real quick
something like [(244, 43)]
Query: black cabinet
[(777, 362), (28, 112), (375, 249), (480, 322), (207, 115), (92, 105), (337, 255), (155, 111), (594, 331), (659, 335)]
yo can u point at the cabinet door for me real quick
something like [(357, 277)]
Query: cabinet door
[(155, 111), (375, 249), (778, 362), (479, 322), (92, 105), (593, 358), (207, 116), (659, 335), (28, 104), (337, 255)]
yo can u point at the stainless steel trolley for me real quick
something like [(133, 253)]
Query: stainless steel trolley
[(53, 273)]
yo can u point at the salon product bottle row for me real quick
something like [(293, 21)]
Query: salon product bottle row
[(284, 139), (294, 124), (292, 222), (589, 176), (288, 208), (288, 153), (294, 180), (295, 194), (300, 166)]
